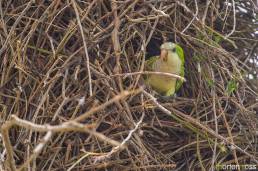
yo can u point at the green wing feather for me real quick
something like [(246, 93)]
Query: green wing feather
[(149, 66), (180, 53), (149, 63)]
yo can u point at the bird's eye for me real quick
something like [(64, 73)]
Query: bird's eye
[(174, 50)]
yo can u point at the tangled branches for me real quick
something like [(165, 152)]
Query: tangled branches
[(72, 95)]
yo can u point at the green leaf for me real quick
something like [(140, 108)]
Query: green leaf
[(210, 82), (217, 38), (180, 52), (231, 87)]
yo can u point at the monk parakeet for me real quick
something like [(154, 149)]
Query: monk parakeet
[(171, 60)]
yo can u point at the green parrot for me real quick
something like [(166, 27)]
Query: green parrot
[(171, 60)]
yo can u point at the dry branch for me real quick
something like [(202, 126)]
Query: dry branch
[(71, 85)]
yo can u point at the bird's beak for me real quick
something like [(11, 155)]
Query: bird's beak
[(164, 54)]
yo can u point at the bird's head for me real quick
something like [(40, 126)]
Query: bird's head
[(165, 48)]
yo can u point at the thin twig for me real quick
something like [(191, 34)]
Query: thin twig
[(234, 19), (84, 45), (194, 17), (149, 73), (121, 146), (124, 94), (37, 150), (116, 42)]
